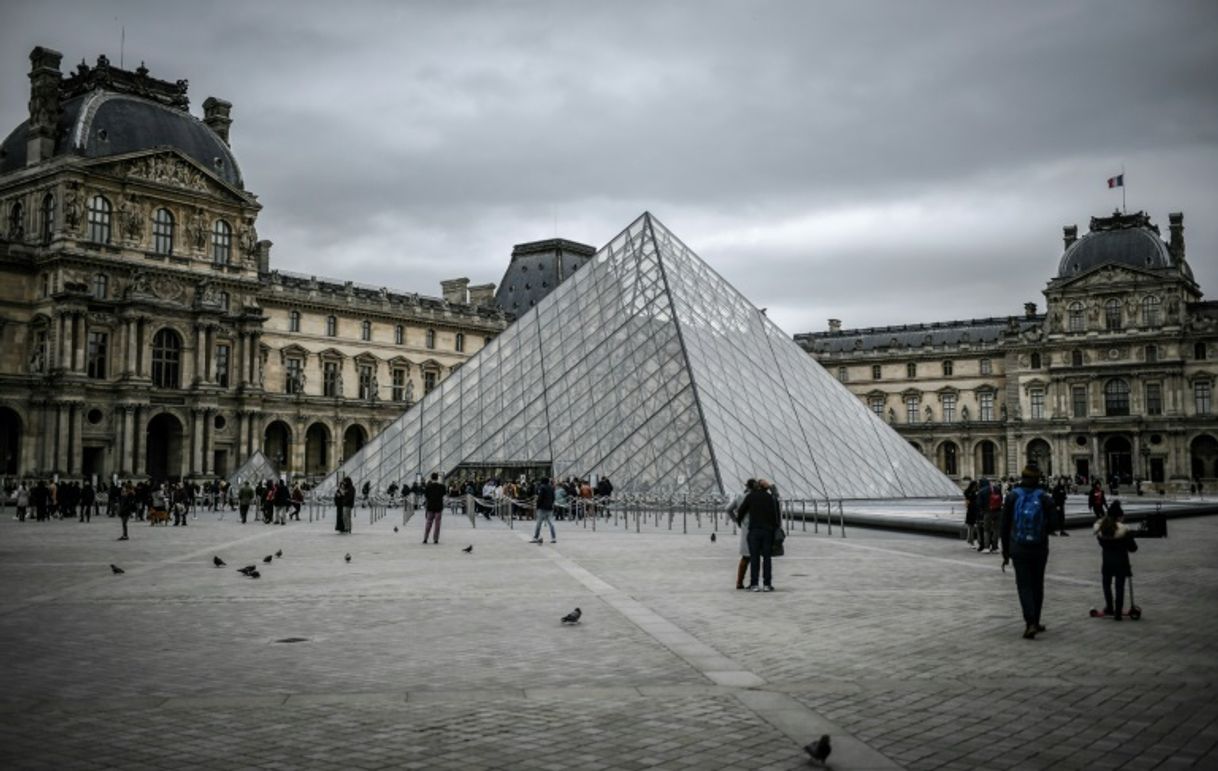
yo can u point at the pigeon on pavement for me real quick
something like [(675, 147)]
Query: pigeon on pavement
[(469, 549), (254, 574), (395, 528), (712, 537), (116, 570), (217, 562), (348, 557), (572, 617), (279, 553), (267, 559), (245, 571), (819, 750)]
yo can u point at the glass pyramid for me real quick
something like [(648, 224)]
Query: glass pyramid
[(256, 468), (647, 367)]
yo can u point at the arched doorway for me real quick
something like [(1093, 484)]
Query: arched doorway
[(317, 450), (949, 458), (277, 445), (353, 439), (165, 447), (10, 442), (986, 458), (1039, 452), (1204, 452), (1118, 458)]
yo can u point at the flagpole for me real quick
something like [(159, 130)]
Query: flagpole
[(1124, 210)]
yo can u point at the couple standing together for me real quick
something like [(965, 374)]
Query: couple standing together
[(757, 514)]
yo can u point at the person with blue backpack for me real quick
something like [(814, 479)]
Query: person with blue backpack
[(1026, 516)]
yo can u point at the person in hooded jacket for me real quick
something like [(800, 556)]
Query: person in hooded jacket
[(1116, 544)]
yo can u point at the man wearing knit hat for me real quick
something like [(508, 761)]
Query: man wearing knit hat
[(1027, 514)]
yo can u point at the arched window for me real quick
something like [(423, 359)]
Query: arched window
[(1076, 358), (460, 343), (331, 326), (1199, 351), (1112, 315), (294, 321), (162, 231), (1116, 397), (1078, 322), (431, 338), (221, 243), (166, 359), (1150, 311), (16, 222), (99, 219), (365, 330), (1035, 361), (988, 454), (48, 217), (950, 459)]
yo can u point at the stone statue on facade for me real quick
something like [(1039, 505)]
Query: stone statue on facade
[(198, 229), (338, 383), (409, 390), (71, 206)]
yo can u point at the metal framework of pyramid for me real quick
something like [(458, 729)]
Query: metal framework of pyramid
[(647, 367), (256, 468)]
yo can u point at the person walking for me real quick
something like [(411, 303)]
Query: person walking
[(245, 496), (22, 498), (743, 522), (762, 510), (1096, 500), (87, 498), (126, 506), (433, 502), (344, 502), (1059, 503), (281, 501), (1117, 543), (1027, 514), (545, 510), (971, 530)]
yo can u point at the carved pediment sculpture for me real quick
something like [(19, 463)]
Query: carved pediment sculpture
[(166, 288), (168, 169)]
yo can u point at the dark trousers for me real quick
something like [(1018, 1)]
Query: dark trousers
[(124, 518), (1120, 592), (1030, 583), (761, 547), (245, 511)]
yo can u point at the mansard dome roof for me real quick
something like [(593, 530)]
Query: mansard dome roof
[(1122, 239)]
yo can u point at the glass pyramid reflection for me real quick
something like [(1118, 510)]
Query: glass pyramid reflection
[(647, 367)]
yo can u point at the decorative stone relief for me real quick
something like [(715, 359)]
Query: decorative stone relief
[(131, 217), (168, 171), (166, 288)]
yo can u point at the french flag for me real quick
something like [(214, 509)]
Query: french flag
[(1117, 181)]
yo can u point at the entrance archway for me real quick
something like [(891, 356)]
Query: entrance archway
[(353, 439), (1118, 458), (317, 450), (1039, 452), (10, 442), (164, 443), (1204, 452), (277, 445), (986, 460)]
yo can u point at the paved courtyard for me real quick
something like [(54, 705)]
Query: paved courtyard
[(905, 648)]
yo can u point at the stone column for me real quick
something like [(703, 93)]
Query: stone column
[(209, 442), (61, 437), (128, 347), (139, 439), (209, 352), (196, 441), (141, 343), (240, 359), (239, 446), (47, 437), (79, 337), (76, 442), (255, 358), (62, 330), (332, 459)]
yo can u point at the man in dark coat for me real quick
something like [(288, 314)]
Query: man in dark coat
[(762, 511), (433, 502), (1028, 548)]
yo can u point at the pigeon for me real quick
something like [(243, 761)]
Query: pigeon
[(217, 562), (279, 554), (469, 549), (348, 557), (712, 537), (116, 570), (395, 528), (572, 617), (819, 750), (254, 574), (267, 559), (245, 571)]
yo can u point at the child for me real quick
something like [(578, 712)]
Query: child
[(1116, 542)]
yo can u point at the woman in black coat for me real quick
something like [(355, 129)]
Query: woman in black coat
[(1116, 542)]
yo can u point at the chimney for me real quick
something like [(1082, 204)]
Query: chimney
[(262, 251), (1070, 234), (44, 105), (1176, 245), (1029, 310), (482, 294), (455, 290), (835, 325), (215, 115)]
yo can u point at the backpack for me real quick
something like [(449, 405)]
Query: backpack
[(995, 500), (1028, 523)]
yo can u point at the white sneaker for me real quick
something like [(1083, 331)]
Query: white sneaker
[(754, 588), (768, 589)]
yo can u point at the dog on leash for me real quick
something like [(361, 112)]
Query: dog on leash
[(158, 516)]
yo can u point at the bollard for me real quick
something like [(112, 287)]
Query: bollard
[(841, 513), (829, 515)]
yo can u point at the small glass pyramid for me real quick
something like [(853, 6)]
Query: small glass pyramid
[(648, 368), (256, 468)]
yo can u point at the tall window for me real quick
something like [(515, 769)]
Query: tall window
[(365, 330), (166, 359), (429, 381), (399, 384), (1112, 315), (222, 364), (911, 370), (1152, 354), (294, 321), (1077, 318), (1154, 399), (96, 358), (329, 378), (221, 243), (162, 231), (1035, 360), (949, 407), (875, 371), (1150, 311), (1076, 358), (16, 222), (876, 403), (459, 345), (987, 367), (431, 338), (48, 217), (225, 300), (99, 219), (841, 374), (912, 407), (366, 388), (1116, 397), (293, 370), (985, 401), (1201, 396), (331, 326), (950, 462), (399, 334), (988, 467), (1078, 400), (1037, 397), (948, 367), (101, 286), (1199, 351)]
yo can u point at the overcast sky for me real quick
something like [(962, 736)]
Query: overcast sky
[(881, 163)]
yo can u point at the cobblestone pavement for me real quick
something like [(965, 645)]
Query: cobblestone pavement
[(906, 648)]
